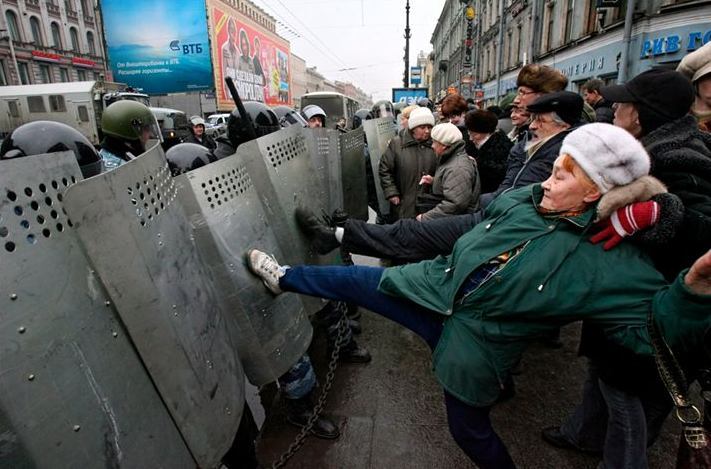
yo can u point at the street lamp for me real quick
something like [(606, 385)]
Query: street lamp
[(12, 53)]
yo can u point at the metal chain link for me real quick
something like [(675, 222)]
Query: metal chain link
[(298, 442)]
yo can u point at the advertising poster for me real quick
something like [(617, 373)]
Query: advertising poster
[(408, 95), (257, 60), (156, 47)]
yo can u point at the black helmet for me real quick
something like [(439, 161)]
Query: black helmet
[(360, 116), (288, 117), (39, 137), (185, 157), (383, 108), (263, 119)]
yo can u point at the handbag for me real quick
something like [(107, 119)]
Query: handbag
[(695, 441)]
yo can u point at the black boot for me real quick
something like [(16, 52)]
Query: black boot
[(298, 412), (323, 237), (354, 353)]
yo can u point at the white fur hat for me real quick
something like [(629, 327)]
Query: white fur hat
[(420, 116), (446, 134), (696, 64), (609, 155)]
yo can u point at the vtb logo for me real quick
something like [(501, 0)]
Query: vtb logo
[(195, 48)]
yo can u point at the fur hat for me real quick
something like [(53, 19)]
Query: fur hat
[(483, 122), (541, 78), (420, 116), (696, 64), (446, 134), (609, 155)]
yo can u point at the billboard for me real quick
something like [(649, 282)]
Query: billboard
[(256, 59), (158, 48), (415, 75), (408, 95)]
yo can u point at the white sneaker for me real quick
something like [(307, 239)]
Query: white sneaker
[(267, 268)]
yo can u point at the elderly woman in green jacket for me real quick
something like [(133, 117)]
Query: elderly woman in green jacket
[(524, 271)]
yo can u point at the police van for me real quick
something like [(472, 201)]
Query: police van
[(78, 104)]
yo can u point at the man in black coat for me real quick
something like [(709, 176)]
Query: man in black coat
[(592, 96), (198, 135)]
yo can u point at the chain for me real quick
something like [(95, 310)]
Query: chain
[(298, 442)]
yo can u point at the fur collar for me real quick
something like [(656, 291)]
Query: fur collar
[(639, 190)]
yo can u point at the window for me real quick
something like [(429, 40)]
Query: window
[(36, 31), (3, 76), (45, 73), (97, 76), (12, 27), (64, 75), (35, 104), (83, 113), (13, 108), (568, 32), (56, 35), (24, 72), (81, 75), (90, 42), (56, 103), (75, 39), (591, 17)]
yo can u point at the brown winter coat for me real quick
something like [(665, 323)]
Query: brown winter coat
[(401, 168)]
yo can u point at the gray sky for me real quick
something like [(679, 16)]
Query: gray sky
[(365, 34)]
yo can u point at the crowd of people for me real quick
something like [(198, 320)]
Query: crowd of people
[(505, 224)]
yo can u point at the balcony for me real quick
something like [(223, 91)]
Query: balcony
[(53, 9), (33, 5), (89, 20), (72, 15)]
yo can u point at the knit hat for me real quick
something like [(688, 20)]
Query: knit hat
[(696, 64), (482, 122), (420, 116), (660, 96), (447, 134), (609, 155)]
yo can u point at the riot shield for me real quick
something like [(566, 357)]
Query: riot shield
[(353, 177), (227, 217), (139, 240), (378, 133), (325, 156), (73, 391), (280, 167)]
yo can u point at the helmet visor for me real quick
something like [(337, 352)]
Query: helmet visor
[(147, 130), (292, 118)]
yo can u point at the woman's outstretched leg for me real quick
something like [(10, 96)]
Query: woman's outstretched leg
[(356, 284)]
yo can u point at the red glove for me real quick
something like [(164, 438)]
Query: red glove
[(626, 221)]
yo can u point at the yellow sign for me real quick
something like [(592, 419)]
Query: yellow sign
[(470, 13)]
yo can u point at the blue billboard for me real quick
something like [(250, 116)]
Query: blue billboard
[(408, 95), (158, 46)]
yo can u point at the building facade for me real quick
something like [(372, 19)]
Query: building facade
[(50, 41), (574, 36), (298, 80)]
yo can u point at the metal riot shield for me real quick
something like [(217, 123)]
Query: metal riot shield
[(378, 133), (353, 177), (73, 391), (227, 217), (325, 157), (139, 240)]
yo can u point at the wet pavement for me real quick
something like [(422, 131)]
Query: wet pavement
[(391, 411)]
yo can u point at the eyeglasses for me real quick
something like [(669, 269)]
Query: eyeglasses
[(522, 92)]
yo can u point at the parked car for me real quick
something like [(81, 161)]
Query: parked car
[(216, 125)]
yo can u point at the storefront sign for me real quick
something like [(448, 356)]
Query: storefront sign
[(585, 67), (79, 62), (46, 56), (674, 43)]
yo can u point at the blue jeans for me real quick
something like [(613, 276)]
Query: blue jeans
[(619, 424), (470, 426)]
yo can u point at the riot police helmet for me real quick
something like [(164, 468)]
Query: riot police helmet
[(425, 102), (264, 122), (383, 108), (185, 157), (315, 112), (130, 121), (288, 117), (360, 116), (39, 137)]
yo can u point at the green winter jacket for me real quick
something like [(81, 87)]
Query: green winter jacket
[(558, 277)]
